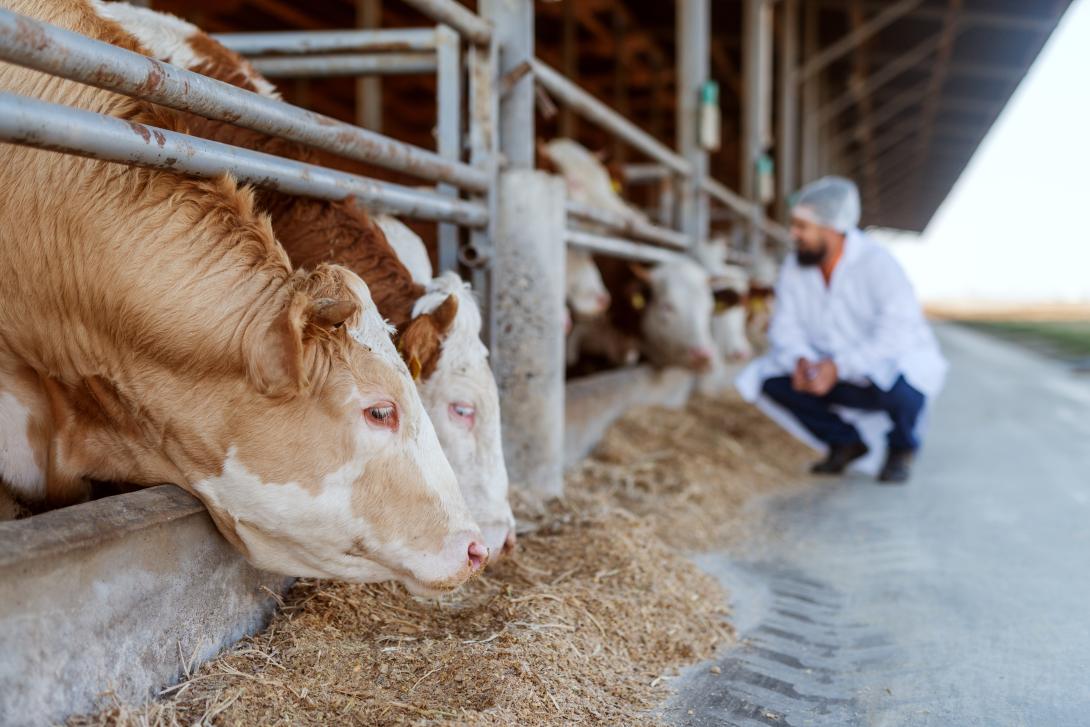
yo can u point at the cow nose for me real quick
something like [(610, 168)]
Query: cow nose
[(478, 555), (603, 301), (701, 357), (509, 543)]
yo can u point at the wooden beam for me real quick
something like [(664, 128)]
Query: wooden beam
[(857, 36), (864, 101), (569, 52), (947, 37), (907, 60)]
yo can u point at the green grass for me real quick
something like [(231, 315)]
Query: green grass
[(1067, 339)]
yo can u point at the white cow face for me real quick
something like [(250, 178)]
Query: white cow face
[(677, 320), (337, 472), (461, 398), (585, 292)]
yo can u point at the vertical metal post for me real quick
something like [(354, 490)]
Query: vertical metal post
[(448, 128), (369, 88), (810, 96), (528, 273), (787, 133), (756, 104), (693, 27)]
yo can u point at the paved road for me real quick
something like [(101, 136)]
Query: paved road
[(962, 599)]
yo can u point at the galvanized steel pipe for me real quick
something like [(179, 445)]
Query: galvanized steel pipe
[(584, 103), (36, 123), (619, 247), (627, 227), (469, 25), (43, 47), (325, 66), (330, 41)]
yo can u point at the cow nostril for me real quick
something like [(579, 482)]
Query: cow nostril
[(509, 543), (478, 555)]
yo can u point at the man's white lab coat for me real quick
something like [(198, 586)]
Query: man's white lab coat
[(867, 320)]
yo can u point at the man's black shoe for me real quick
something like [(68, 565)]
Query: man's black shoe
[(839, 457), (898, 467)]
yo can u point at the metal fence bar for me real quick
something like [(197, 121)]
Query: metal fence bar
[(591, 108), (326, 66), (36, 123), (401, 40), (471, 26), (644, 173), (626, 227), (448, 127), (44, 47), (620, 247), (719, 191)]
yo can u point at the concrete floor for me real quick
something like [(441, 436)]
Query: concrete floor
[(961, 599)]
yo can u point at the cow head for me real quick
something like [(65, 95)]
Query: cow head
[(584, 292), (332, 466), (442, 345), (677, 304)]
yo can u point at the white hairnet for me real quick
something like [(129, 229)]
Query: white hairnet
[(831, 202)]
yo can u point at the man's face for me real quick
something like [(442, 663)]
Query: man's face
[(811, 241)]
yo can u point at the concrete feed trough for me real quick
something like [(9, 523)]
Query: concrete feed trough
[(117, 595)]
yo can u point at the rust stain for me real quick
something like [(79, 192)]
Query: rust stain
[(142, 131), (160, 138)]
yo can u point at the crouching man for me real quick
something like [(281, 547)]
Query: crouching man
[(847, 332)]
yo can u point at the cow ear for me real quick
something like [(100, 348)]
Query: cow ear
[(419, 344), (330, 313), (275, 353), (443, 316), (642, 272)]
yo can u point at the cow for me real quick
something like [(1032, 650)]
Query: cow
[(409, 247), (667, 307), (730, 292), (439, 338), (154, 331), (587, 179)]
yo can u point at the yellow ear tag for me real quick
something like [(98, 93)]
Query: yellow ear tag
[(617, 187), (720, 306), (414, 368), (638, 301)]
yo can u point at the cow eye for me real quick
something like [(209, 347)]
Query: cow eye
[(382, 415), (463, 413)]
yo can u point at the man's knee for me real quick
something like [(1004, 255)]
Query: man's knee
[(778, 388), (903, 397)]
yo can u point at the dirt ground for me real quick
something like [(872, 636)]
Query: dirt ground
[(587, 623)]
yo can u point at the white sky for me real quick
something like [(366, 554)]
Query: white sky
[(1016, 226)]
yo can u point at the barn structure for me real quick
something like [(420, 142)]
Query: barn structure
[(710, 113)]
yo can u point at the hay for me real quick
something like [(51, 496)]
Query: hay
[(585, 625)]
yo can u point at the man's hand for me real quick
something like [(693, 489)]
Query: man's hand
[(800, 379), (824, 377), (814, 378)]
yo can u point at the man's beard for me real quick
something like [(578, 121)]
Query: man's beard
[(810, 258)]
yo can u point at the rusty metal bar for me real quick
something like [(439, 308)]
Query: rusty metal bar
[(36, 123), (43, 47), (622, 225), (471, 26), (327, 66), (620, 247), (402, 40), (591, 108)]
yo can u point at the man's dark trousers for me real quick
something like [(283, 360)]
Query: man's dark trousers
[(902, 403)]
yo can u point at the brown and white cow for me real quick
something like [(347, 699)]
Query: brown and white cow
[(154, 331), (438, 324), (668, 307)]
